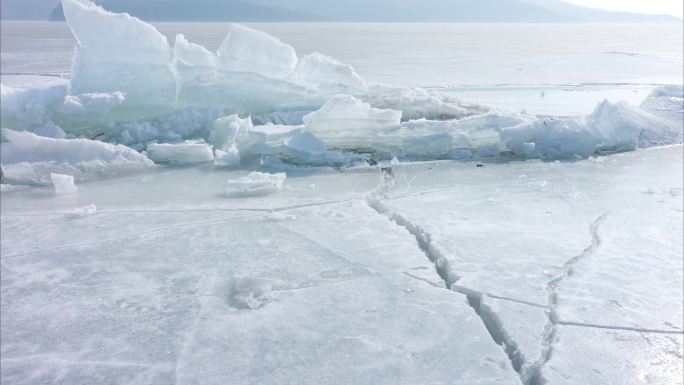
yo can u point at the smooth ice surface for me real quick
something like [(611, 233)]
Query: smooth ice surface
[(595, 356)]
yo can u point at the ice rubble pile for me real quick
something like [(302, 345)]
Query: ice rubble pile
[(31, 159), (124, 69), (185, 104)]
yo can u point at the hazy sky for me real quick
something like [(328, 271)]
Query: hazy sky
[(670, 7)]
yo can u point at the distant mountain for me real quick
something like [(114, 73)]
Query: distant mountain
[(27, 9), (593, 15), (530, 11), (198, 10)]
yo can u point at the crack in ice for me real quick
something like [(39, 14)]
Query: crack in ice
[(54, 357), (197, 210), (617, 327), (424, 240), (422, 279), (187, 336), (550, 330)]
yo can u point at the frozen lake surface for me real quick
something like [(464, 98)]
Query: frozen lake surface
[(460, 207), (569, 272), (557, 69)]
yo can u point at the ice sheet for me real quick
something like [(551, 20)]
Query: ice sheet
[(212, 295), (237, 267), (615, 356), (587, 243)]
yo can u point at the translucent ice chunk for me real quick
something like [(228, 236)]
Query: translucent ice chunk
[(346, 122), (255, 183), (249, 50), (666, 102), (228, 158), (117, 52), (316, 70), (188, 152), (225, 130), (26, 107), (29, 159), (194, 63), (64, 184), (94, 103)]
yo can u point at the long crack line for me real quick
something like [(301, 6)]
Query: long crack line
[(551, 329), (619, 327), (441, 263)]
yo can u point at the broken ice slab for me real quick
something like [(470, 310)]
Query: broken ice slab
[(255, 184), (29, 159), (117, 52), (249, 50), (64, 184), (188, 152)]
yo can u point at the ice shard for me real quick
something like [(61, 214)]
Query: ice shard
[(118, 52)]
